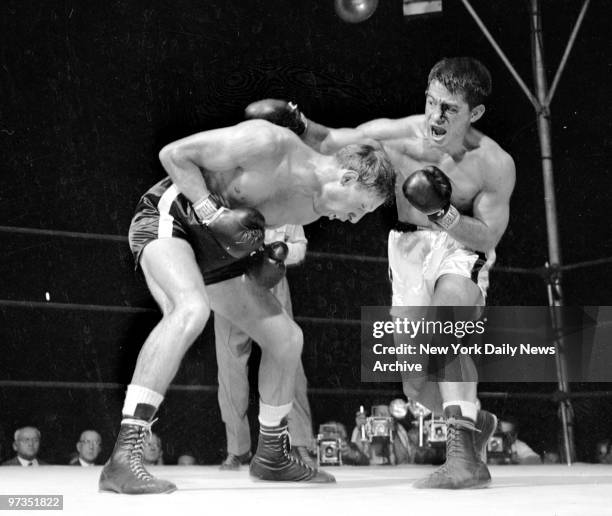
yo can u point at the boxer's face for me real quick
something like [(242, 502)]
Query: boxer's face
[(348, 201), (447, 116)]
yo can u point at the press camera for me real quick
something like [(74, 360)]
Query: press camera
[(329, 445), (499, 448), (380, 424)]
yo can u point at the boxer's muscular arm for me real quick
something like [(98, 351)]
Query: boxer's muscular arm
[(491, 208), (221, 150), (327, 140)]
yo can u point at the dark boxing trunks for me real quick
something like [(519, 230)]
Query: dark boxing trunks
[(163, 212)]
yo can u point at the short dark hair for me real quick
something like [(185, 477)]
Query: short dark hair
[(464, 75), (373, 168)]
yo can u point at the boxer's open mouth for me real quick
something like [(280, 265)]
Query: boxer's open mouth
[(437, 131)]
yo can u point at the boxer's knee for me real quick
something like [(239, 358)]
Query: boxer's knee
[(289, 343), (455, 290), (190, 314)]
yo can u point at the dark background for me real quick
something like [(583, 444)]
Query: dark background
[(90, 93)]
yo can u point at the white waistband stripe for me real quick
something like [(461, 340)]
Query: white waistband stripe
[(165, 219)]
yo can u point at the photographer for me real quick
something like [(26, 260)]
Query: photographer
[(387, 444), (333, 447)]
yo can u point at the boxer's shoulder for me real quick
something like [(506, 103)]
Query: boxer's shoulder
[(492, 160), (484, 146), (261, 142), (498, 164), (266, 131)]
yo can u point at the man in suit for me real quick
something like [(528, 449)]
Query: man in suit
[(26, 444), (89, 447)]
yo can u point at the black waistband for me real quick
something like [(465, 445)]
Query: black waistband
[(404, 227)]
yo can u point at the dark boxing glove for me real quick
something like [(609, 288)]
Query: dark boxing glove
[(267, 267), (239, 231), (279, 112), (429, 191)]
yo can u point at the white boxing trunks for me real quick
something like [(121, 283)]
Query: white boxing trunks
[(419, 256)]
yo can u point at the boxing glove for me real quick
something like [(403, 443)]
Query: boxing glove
[(267, 266), (239, 231), (429, 191), (279, 112)]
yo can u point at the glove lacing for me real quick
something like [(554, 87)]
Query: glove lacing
[(250, 236)]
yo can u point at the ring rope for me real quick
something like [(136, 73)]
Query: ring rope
[(322, 391), (138, 309), (538, 271)]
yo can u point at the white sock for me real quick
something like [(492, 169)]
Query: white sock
[(271, 415), (136, 394), (468, 409)]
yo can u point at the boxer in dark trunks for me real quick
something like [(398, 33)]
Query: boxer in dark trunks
[(193, 235)]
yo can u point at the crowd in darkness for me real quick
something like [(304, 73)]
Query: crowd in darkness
[(88, 450), (29, 449)]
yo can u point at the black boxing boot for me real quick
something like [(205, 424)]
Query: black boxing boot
[(463, 468), (273, 459), (486, 423), (302, 453), (124, 471)]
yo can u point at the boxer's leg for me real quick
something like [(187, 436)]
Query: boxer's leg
[(456, 290), (175, 282), (468, 294), (233, 348), (256, 312), (259, 314), (299, 418), (417, 386), (410, 260), (463, 468)]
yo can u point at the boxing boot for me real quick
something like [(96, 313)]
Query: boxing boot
[(486, 423), (124, 471), (302, 453), (233, 462), (463, 468), (273, 459)]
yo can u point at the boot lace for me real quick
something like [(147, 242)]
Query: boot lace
[(453, 443), (136, 440), (293, 459)]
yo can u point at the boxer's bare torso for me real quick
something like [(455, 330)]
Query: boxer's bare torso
[(471, 171), (279, 182), (258, 165)]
